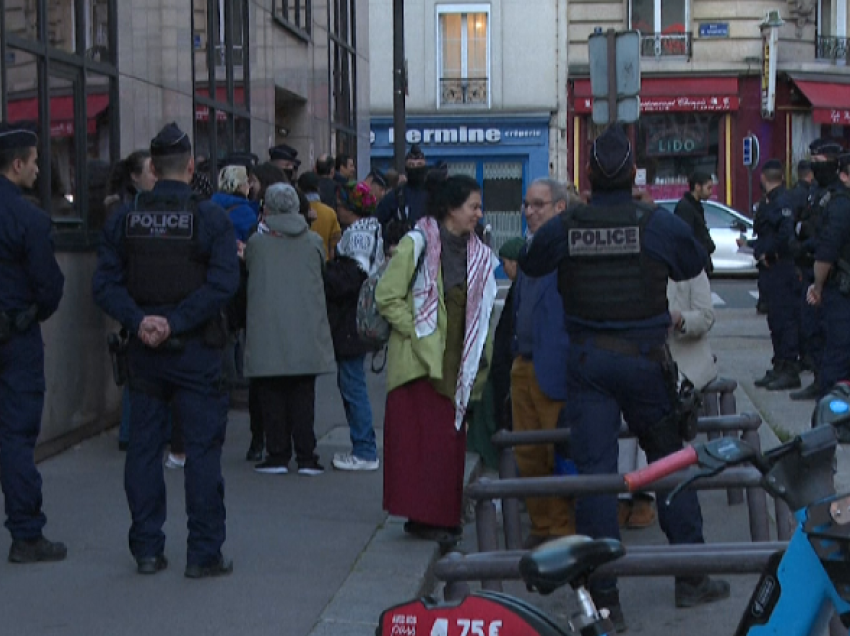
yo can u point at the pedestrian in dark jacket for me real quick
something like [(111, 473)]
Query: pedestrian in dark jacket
[(359, 254), (690, 210)]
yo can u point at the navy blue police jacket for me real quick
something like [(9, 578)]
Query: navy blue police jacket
[(835, 231), (665, 238), (29, 273), (217, 241), (774, 226)]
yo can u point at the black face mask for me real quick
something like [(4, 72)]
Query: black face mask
[(416, 176), (826, 172)]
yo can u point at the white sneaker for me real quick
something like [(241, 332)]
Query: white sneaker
[(174, 462), (351, 462)]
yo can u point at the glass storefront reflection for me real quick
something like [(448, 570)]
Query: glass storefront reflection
[(21, 18), (61, 173)]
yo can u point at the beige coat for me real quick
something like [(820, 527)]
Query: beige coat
[(690, 347)]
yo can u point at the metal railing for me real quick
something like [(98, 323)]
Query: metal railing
[(830, 48), (464, 91), (666, 45)]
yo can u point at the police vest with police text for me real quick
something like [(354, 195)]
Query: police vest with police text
[(608, 277), (164, 262)]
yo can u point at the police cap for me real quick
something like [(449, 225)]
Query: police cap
[(825, 146), (843, 160), (804, 166), (379, 178), (247, 159), (16, 136), (283, 152), (170, 141), (612, 152), (415, 152), (772, 164)]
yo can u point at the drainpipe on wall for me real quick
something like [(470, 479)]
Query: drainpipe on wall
[(558, 146)]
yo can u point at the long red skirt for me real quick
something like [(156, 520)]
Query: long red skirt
[(424, 456)]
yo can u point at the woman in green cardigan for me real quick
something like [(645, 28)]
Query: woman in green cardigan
[(440, 325)]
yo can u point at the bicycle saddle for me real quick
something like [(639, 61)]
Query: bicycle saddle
[(569, 560)]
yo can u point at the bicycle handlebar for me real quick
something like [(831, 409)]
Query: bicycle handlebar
[(661, 468)]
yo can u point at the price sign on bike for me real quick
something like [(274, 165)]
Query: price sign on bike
[(475, 616)]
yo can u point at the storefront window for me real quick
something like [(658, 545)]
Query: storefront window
[(222, 77), (463, 56), (502, 194), (68, 100), (671, 147), (343, 68)]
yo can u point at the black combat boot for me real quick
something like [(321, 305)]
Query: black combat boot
[(36, 550), (769, 376), (787, 377), (811, 392)]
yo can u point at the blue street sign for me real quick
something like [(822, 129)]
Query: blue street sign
[(750, 154), (714, 29)]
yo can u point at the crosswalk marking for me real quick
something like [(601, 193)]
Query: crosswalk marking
[(716, 300)]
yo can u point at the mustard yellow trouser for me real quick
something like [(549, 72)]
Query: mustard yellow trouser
[(533, 410)]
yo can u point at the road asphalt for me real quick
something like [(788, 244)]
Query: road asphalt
[(317, 556)]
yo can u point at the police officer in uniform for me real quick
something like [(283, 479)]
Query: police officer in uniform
[(286, 158), (30, 290), (613, 258), (808, 222), (167, 266), (831, 286), (778, 281)]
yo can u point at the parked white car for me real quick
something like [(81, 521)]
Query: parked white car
[(725, 226)]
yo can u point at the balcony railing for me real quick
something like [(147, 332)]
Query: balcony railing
[(467, 91), (830, 48), (666, 45)]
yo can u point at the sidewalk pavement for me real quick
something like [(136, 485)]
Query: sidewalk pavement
[(317, 556)]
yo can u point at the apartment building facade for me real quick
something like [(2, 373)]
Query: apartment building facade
[(707, 84), (486, 93), (99, 78)]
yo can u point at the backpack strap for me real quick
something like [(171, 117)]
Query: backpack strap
[(420, 259)]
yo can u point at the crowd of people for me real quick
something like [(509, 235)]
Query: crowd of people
[(605, 320)]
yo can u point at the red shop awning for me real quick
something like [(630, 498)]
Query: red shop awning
[(673, 94), (61, 112), (830, 101)]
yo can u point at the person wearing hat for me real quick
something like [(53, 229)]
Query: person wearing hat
[(288, 338), (175, 351), (31, 286), (286, 158), (803, 196), (406, 204), (538, 372), (614, 257), (831, 285), (823, 167), (778, 282)]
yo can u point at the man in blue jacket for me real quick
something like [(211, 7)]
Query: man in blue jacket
[(539, 375)]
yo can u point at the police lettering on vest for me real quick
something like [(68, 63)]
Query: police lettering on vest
[(164, 263), (606, 277), (174, 225), (605, 241)]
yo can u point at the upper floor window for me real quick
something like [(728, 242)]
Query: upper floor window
[(831, 41), (663, 25), (464, 54), (295, 15)]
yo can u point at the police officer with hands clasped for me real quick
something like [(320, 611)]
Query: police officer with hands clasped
[(831, 286), (613, 258), (778, 281), (167, 265), (31, 286)]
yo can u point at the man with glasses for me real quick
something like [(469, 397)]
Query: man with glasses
[(538, 375)]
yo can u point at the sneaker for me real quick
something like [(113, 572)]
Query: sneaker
[(221, 567), (151, 565), (311, 469), (272, 466), (690, 592), (175, 462), (36, 550), (352, 462)]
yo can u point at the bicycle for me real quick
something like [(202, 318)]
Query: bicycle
[(797, 591)]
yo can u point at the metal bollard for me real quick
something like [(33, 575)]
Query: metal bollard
[(455, 590), (486, 528), (756, 499), (510, 505), (728, 406)]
